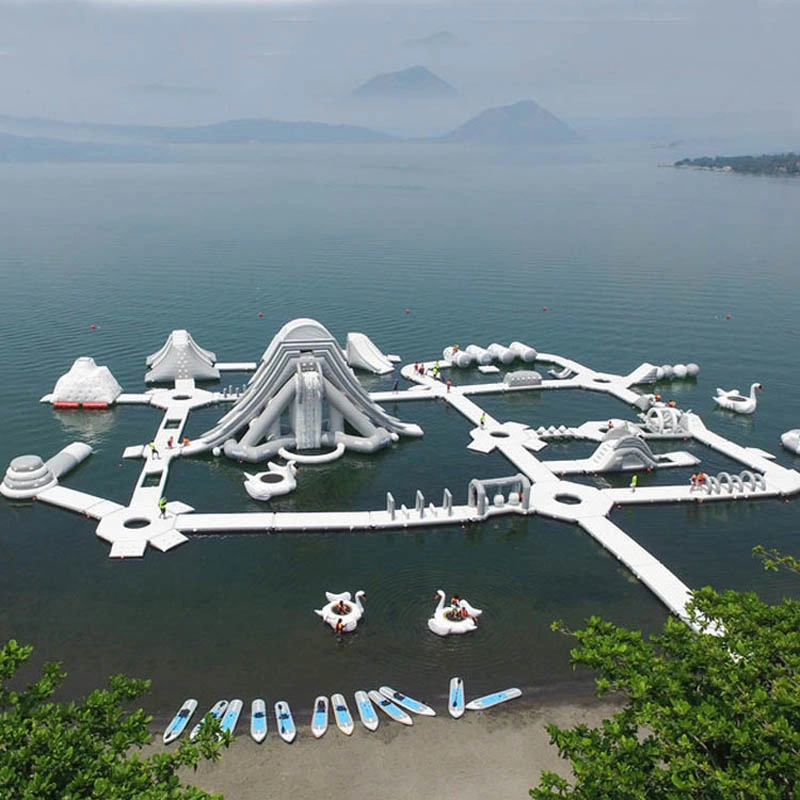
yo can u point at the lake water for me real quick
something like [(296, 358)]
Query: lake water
[(632, 262)]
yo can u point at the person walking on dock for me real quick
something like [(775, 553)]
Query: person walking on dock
[(634, 482), (483, 418), (153, 452), (162, 507)]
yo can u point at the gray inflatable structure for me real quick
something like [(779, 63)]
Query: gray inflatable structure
[(28, 476), (300, 397), (621, 450), (180, 358)]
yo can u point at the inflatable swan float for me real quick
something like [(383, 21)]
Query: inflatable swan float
[(445, 621), (734, 401), (264, 485), (349, 617)]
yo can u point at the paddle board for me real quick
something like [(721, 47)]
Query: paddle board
[(409, 703), (455, 705), (319, 719), (180, 720), (217, 710), (284, 721), (342, 715), (258, 720), (489, 700), (366, 710), (231, 717), (389, 708)]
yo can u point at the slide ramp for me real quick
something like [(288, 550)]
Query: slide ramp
[(362, 353)]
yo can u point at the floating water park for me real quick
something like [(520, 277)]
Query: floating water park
[(305, 405)]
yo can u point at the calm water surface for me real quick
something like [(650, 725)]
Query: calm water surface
[(632, 262)]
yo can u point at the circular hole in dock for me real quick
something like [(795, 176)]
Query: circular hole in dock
[(181, 397), (499, 434), (271, 477), (568, 499), (136, 522)]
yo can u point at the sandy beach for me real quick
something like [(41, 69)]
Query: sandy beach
[(495, 753)]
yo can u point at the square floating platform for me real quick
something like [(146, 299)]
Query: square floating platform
[(128, 547)]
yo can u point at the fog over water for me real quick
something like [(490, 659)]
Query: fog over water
[(198, 62)]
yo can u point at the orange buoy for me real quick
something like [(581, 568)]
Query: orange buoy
[(65, 404), (95, 404)]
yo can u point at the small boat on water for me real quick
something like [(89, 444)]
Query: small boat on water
[(258, 720), (455, 703), (285, 722), (389, 708), (409, 703), (216, 711), (342, 715), (231, 717), (366, 710), (180, 721), (489, 700), (319, 719)]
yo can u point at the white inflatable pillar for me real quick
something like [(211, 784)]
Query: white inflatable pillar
[(501, 353), (523, 352), (480, 354)]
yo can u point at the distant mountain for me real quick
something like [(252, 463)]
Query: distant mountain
[(412, 83), (239, 131), (438, 40), (30, 149), (522, 123)]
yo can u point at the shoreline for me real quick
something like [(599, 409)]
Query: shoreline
[(495, 753)]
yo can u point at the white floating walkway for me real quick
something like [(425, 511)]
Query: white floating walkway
[(236, 366), (80, 502), (672, 592), (646, 495)]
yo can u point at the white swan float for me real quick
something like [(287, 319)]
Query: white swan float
[(278, 480), (734, 401), (446, 621), (350, 613)]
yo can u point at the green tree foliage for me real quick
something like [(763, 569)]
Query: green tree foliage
[(782, 164), (704, 716), (88, 749), (775, 560)]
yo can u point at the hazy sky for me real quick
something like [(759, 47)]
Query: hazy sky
[(191, 62)]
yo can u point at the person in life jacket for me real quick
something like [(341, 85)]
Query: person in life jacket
[(339, 626), (162, 507)]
